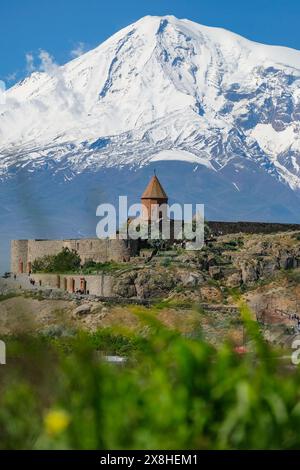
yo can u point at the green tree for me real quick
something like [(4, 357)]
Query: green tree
[(43, 264), (64, 261)]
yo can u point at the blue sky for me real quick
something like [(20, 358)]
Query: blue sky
[(63, 26)]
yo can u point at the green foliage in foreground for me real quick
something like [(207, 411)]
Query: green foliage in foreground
[(173, 393)]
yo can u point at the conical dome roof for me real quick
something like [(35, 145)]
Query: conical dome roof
[(154, 190)]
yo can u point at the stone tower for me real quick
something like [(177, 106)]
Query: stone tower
[(154, 200)]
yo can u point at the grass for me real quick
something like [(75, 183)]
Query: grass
[(10, 295), (296, 236), (173, 393), (172, 303), (213, 282), (167, 253), (107, 267), (166, 262), (37, 295), (293, 275)]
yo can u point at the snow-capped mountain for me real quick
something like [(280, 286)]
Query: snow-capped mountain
[(161, 88), (219, 115)]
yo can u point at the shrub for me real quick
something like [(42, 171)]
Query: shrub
[(65, 261), (91, 267), (43, 264), (165, 262), (90, 264)]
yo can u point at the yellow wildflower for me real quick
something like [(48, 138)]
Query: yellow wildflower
[(56, 421)]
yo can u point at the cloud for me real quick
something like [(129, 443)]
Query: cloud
[(66, 97), (48, 64), (30, 67), (11, 77), (78, 50), (70, 99), (2, 93)]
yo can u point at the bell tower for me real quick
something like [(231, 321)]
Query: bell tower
[(154, 200)]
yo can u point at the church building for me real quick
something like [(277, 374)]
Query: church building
[(25, 252), (154, 201)]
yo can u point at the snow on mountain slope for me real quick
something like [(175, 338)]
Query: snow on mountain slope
[(160, 84)]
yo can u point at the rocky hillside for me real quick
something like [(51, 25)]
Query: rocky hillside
[(188, 291)]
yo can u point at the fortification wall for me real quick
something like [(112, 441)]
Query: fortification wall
[(19, 251), (122, 250), (40, 248), (100, 284), (102, 251), (89, 249), (250, 227), (25, 252)]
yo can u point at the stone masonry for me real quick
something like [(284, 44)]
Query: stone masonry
[(25, 252)]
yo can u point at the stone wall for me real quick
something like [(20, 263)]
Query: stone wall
[(100, 284), (122, 250), (225, 228), (40, 248), (89, 249), (19, 252), (25, 252)]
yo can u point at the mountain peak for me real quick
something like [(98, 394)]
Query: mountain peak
[(166, 84), (157, 19)]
